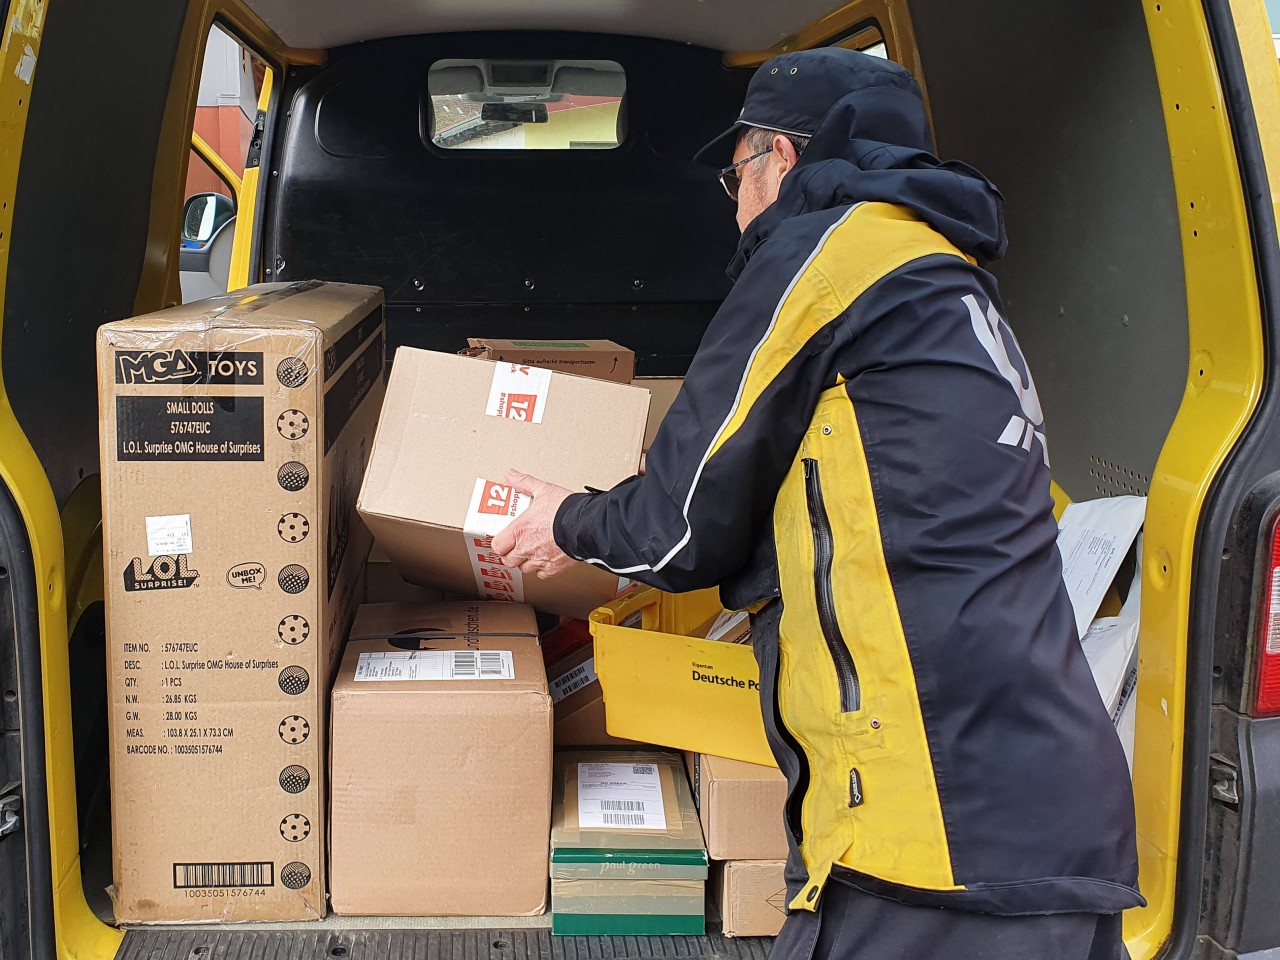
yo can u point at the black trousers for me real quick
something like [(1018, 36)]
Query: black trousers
[(852, 925)]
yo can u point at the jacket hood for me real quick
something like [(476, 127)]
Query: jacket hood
[(873, 145)]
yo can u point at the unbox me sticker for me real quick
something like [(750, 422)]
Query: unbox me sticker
[(518, 392)]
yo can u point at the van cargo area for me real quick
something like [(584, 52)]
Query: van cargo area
[(1136, 281)]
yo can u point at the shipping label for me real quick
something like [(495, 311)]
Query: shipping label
[(493, 506), (518, 392), (571, 681), (436, 665), (620, 796), (189, 428), (169, 535)]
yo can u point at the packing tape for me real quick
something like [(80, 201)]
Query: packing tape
[(493, 506)]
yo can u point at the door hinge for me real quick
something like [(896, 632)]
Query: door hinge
[(10, 805), (1225, 779), (254, 156)]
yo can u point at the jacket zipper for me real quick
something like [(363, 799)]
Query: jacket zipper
[(823, 554)]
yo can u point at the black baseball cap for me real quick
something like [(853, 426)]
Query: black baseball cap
[(793, 92)]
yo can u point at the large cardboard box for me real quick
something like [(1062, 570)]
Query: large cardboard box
[(435, 491), (627, 856), (664, 391), (601, 359), (383, 583), (441, 763), (752, 897), (741, 807), (234, 434), (569, 653)]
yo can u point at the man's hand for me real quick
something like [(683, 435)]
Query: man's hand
[(527, 543)]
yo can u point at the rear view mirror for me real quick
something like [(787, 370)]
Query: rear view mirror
[(514, 113), (202, 217)]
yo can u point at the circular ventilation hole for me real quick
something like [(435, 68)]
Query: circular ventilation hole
[(294, 629), (292, 372), (294, 680), (294, 578), (295, 828), (294, 729), (294, 779), (293, 424), (293, 476), (295, 875), (293, 528)]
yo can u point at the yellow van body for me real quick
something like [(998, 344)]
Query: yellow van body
[(1225, 378)]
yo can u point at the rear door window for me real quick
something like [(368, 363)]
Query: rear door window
[(526, 104)]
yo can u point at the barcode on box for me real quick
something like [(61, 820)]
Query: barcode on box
[(195, 876), (573, 680), (631, 806), (622, 819), (435, 665), (643, 770), (478, 665)]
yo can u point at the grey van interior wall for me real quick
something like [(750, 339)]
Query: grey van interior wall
[(80, 216), (1058, 105)]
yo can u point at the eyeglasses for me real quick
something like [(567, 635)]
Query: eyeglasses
[(731, 181)]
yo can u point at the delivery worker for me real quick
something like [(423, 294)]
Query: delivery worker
[(858, 456)]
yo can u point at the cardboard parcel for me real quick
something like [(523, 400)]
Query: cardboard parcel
[(569, 653), (441, 791), (435, 492), (741, 808), (601, 359), (752, 897), (627, 856), (234, 433)]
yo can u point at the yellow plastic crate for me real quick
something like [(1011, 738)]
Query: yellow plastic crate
[(665, 687)]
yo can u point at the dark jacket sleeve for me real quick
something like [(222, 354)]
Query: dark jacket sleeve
[(715, 468)]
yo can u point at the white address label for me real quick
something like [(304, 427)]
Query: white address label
[(620, 796), (436, 665), (518, 392), (169, 536)]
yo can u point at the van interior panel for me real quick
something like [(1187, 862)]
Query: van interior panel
[(1059, 106), (499, 242)]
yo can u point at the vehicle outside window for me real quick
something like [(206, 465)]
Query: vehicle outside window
[(526, 104), (223, 137)]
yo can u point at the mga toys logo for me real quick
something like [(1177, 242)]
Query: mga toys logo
[(165, 573), (187, 366)]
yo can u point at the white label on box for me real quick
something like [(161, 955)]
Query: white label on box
[(573, 680), (436, 665), (169, 536), (726, 623), (518, 392), (626, 796), (493, 506), (1093, 538)]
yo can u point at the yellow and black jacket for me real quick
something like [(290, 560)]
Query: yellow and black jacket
[(859, 454)]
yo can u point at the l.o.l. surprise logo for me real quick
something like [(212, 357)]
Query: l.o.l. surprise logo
[(518, 392)]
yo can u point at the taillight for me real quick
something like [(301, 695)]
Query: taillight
[(1268, 698)]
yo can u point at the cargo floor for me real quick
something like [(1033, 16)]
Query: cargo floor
[(328, 941)]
